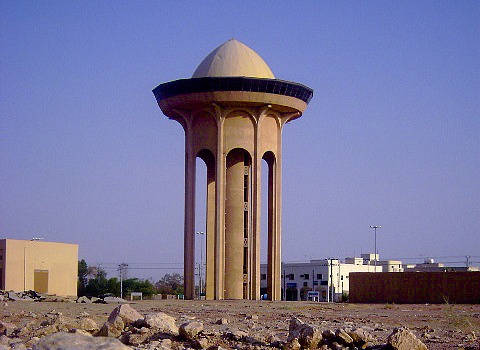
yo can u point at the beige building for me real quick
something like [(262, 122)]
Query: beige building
[(233, 111), (45, 267)]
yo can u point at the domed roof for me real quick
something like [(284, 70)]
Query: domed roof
[(233, 59)]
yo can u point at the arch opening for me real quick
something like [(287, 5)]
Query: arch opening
[(205, 224), (238, 221), (269, 208)]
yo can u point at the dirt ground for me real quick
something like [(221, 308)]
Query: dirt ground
[(442, 326)]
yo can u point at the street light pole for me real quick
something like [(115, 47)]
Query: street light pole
[(375, 252), (201, 264), (121, 268)]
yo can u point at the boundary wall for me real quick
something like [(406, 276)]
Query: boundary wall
[(415, 287)]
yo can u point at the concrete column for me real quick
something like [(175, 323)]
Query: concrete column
[(210, 256), (277, 258), (234, 225), (272, 227), (219, 273), (189, 233), (256, 226)]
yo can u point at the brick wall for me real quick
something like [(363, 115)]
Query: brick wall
[(415, 287)]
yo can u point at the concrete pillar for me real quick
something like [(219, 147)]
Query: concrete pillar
[(189, 226), (234, 224), (219, 281), (256, 226), (210, 256)]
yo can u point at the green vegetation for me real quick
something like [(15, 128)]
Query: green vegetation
[(93, 282)]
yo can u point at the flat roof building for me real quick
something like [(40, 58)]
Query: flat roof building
[(45, 267)]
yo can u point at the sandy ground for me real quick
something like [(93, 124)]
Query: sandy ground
[(438, 326)]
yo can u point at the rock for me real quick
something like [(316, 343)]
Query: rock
[(328, 334), (190, 330), (343, 337), (114, 300), (137, 338), (127, 314), (47, 330), (252, 317), (6, 328), (236, 334), (403, 339), (75, 341), (86, 324), (84, 300), (361, 338), (222, 321), (111, 328), (292, 345), (201, 343), (307, 335), (81, 331), (162, 322), (13, 296), (4, 340)]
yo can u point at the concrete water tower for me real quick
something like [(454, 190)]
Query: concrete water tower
[(233, 111)]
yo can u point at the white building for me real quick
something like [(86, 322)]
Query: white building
[(327, 279)]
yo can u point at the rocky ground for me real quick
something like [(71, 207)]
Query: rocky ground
[(178, 324)]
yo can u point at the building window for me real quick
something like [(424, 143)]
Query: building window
[(319, 276), (306, 276), (263, 276), (305, 284), (291, 276)]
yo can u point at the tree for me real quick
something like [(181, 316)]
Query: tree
[(138, 285), (99, 285), (170, 284), (82, 277)]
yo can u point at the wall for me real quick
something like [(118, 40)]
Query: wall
[(23, 260), (415, 287)]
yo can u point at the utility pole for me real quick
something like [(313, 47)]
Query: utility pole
[(375, 251), (200, 270)]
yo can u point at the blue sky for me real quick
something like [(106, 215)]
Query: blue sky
[(391, 136)]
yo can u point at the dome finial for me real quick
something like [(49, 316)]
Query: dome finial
[(233, 59)]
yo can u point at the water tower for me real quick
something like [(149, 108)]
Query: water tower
[(233, 111)]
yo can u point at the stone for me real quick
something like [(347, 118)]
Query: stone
[(137, 339), (328, 334), (201, 343), (343, 337), (76, 341), (4, 340), (127, 314), (112, 328), (236, 334), (162, 322), (360, 337), (6, 328), (403, 339), (190, 330), (86, 324), (13, 296), (114, 300), (81, 331), (222, 321), (47, 330), (307, 335), (84, 300)]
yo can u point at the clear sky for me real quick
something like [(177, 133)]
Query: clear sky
[(391, 137)]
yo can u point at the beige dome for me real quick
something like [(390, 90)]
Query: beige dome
[(233, 59)]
